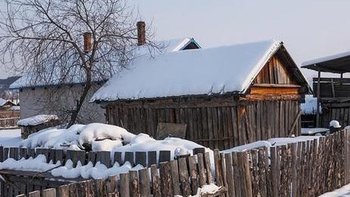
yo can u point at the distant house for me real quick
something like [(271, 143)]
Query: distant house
[(47, 96), (332, 93), (225, 96), (6, 104), (5, 92)]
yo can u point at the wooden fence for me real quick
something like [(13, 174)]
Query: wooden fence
[(105, 157), (307, 168), (18, 182), (177, 177)]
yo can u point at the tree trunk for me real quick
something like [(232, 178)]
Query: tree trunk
[(82, 98)]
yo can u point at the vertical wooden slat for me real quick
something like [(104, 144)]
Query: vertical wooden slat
[(152, 158), (34, 194), (347, 155), (208, 167), (118, 158), (144, 183), (91, 157), (129, 157), (275, 171), (104, 158), (202, 170), (194, 177), (229, 171), (156, 189), (175, 177), (166, 180), (48, 192), (184, 177), (164, 156), (218, 168), (111, 184), (134, 184), (237, 174), (262, 172), (243, 161), (295, 186), (140, 158), (124, 185)]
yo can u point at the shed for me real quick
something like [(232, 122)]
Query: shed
[(36, 123), (332, 93), (227, 96)]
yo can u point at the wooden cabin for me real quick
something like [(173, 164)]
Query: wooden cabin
[(226, 96), (332, 91)]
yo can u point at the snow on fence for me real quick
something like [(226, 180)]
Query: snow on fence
[(307, 168), (18, 182), (177, 177)]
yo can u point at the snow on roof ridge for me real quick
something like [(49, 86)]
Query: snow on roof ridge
[(326, 58), (209, 70), (269, 53)]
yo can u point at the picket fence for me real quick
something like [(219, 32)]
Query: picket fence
[(307, 168)]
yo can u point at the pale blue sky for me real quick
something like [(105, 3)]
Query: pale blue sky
[(309, 28)]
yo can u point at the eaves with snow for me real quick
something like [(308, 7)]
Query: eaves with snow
[(4, 102), (30, 80), (191, 72)]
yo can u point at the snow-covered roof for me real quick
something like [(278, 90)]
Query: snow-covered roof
[(54, 78), (326, 58), (36, 120), (190, 72), (4, 102), (338, 63)]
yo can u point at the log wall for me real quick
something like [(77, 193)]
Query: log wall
[(216, 123)]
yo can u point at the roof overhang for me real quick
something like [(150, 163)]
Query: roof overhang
[(334, 64)]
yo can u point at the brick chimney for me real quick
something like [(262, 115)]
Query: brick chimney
[(141, 33), (87, 42)]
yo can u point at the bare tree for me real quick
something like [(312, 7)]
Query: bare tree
[(45, 37)]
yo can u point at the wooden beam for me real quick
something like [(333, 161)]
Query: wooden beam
[(255, 90), (318, 99), (276, 85)]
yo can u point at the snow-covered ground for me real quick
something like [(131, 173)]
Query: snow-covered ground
[(10, 137), (341, 192)]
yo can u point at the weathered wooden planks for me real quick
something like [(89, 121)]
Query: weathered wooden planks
[(215, 122), (306, 168)]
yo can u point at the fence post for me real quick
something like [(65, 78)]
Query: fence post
[(124, 185), (156, 191), (51, 192), (246, 179), (347, 155), (144, 179), (229, 171), (34, 194), (166, 180)]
